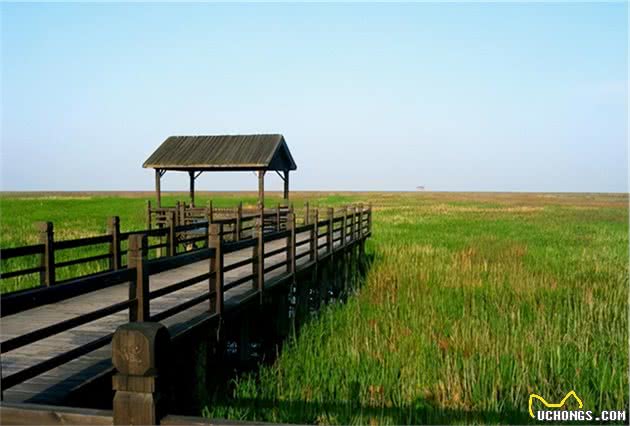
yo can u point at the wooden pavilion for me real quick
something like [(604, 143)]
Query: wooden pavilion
[(222, 153)]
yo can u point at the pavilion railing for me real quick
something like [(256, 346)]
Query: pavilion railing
[(237, 222)]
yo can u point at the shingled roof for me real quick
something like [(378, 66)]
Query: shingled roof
[(222, 152)]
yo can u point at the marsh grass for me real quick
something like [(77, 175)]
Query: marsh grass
[(468, 308)]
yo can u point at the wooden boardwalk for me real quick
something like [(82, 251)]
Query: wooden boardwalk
[(53, 386)]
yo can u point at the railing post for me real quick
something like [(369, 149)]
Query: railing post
[(344, 226), (369, 217), (360, 220), (278, 217), (329, 231), (149, 214), (355, 228), (258, 255), (351, 226), (315, 236), (260, 228), (239, 222), (209, 219), (182, 213), (177, 213), (216, 269), (351, 223), (357, 222), (307, 213), (113, 229), (139, 286), (171, 246), (348, 214), (291, 242), (47, 238), (207, 216), (140, 354), (211, 215)]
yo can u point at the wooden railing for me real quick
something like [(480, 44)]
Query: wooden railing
[(351, 225), (171, 231), (238, 222)]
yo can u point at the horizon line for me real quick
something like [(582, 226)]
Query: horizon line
[(141, 191)]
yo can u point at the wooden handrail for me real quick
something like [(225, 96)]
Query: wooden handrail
[(16, 302), (114, 238)]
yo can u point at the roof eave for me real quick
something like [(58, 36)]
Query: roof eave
[(201, 167)]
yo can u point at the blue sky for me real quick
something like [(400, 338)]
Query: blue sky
[(457, 97)]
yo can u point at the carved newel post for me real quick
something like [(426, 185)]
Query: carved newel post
[(140, 351)]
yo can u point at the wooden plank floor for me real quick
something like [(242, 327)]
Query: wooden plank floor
[(53, 386)]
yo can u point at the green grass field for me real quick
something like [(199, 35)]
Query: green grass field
[(473, 302)]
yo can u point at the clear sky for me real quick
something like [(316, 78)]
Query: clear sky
[(458, 97)]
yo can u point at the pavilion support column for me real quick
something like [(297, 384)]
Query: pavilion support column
[(191, 174), (261, 189), (286, 186), (158, 193)]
